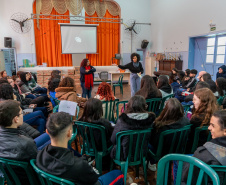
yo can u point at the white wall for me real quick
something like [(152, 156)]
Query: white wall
[(24, 43), (173, 21)]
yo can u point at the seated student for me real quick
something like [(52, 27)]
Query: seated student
[(33, 84), (174, 84), (172, 117), (187, 72), (181, 75), (67, 91), (213, 151), (93, 113), (104, 92), (58, 160), (201, 73), (205, 104), (135, 117), (34, 118), (175, 74), (164, 86), (53, 84), (221, 72), (221, 86), (14, 145), (148, 88), (189, 98), (3, 74), (208, 79)]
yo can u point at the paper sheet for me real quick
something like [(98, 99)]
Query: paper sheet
[(68, 107)]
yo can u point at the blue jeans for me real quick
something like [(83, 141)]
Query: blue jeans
[(43, 109), (114, 177), (41, 90), (178, 94), (134, 83), (42, 141), (86, 92), (36, 118)]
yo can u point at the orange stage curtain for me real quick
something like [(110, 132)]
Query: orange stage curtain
[(48, 42), (108, 38)]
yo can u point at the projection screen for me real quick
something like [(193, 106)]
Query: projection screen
[(78, 38)]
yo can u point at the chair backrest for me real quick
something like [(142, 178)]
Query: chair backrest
[(103, 75), (135, 152), (186, 109), (109, 109), (198, 130), (123, 103), (46, 178), (177, 138), (220, 100), (164, 100), (221, 170), (7, 167), (87, 132), (154, 104), (204, 169), (120, 79)]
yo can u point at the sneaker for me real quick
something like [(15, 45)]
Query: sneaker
[(152, 167)]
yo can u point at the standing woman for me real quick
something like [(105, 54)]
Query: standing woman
[(86, 77), (136, 70)]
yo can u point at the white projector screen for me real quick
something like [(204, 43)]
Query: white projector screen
[(78, 38)]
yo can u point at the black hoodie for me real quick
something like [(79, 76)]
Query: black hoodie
[(127, 123), (62, 163)]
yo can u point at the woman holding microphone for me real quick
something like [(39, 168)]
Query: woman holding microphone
[(136, 70)]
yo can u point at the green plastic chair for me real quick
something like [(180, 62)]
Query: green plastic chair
[(88, 144), (117, 108), (56, 101), (6, 167), (154, 105), (164, 100), (220, 100), (175, 147), (164, 168), (135, 153), (196, 138), (119, 84), (220, 169), (109, 109), (186, 109), (46, 178)]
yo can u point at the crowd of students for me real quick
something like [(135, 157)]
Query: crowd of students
[(42, 135)]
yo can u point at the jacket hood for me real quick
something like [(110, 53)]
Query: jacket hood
[(63, 92), (166, 88), (217, 147), (223, 67), (55, 160), (138, 120)]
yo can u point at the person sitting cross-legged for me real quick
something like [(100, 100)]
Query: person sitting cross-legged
[(58, 160)]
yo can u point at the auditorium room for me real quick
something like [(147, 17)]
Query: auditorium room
[(112, 92)]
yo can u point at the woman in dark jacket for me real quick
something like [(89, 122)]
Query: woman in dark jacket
[(93, 113), (135, 117), (148, 88), (172, 117), (164, 86), (221, 72), (86, 77), (214, 151), (205, 104)]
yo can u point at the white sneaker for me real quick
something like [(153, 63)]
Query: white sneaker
[(152, 167)]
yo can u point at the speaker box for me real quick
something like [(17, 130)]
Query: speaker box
[(117, 56), (144, 44), (8, 42)]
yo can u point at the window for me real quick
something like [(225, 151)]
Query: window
[(217, 53)]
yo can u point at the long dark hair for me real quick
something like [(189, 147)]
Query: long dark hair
[(172, 112), (53, 84), (6, 91), (162, 81), (23, 77), (188, 72), (148, 87), (136, 104), (221, 85), (67, 82), (84, 62), (92, 111)]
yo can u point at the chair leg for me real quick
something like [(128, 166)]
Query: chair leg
[(121, 88), (124, 169), (99, 162), (145, 171), (137, 171), (114, 90)]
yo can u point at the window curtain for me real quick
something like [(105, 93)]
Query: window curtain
[(108, 39), (48, 42)]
